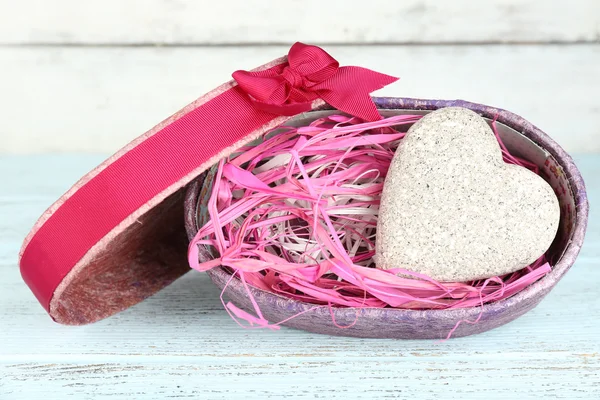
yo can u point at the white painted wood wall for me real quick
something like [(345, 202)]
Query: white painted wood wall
[(91, 75)]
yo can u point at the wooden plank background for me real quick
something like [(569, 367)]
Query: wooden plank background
[(99, 73), (98, 99), (235, 22), (180, 343)]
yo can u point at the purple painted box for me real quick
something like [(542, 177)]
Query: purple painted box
[(523, 139)]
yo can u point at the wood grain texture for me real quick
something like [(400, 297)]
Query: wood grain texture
[(208, 22), (98, 99), (181, 344)]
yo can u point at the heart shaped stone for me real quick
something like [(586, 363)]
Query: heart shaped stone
[(452, 209)]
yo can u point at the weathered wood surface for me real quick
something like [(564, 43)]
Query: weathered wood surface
[(98, 99), (209, 22), (181, 343)]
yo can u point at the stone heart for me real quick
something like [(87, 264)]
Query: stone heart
[(452, 209)]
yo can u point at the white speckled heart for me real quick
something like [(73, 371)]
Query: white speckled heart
[(452, 209)]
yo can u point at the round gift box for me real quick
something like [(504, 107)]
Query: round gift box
[(521, 137)]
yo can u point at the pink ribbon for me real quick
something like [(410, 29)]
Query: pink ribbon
[(311, 74), (173, 154)]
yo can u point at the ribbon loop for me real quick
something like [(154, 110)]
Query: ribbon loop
[(311, 74)]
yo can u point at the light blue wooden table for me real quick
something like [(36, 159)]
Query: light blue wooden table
[(181, 344)]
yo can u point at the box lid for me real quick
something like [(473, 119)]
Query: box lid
[(118, 236)]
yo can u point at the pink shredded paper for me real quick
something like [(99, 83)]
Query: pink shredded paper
[(296, 215)]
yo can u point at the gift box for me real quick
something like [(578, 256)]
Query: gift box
[(522, 138), (122, 232)]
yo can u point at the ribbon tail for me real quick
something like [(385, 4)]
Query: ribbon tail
[(349, 91)]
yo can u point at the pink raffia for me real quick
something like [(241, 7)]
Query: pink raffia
[(296, 215)]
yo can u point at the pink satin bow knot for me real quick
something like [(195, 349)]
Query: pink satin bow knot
[(311, 74)]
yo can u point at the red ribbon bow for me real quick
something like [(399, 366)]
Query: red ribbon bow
[(311, 74)]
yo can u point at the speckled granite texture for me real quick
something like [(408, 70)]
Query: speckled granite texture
[(428, 324), (453, 210)]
